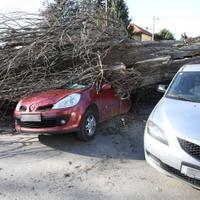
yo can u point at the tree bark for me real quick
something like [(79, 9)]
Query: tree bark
[(156, 61)]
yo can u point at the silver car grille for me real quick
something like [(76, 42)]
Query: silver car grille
[(191, 148)]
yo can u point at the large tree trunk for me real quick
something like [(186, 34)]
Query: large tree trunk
[(156, 61)]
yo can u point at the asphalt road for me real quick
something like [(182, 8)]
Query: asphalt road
[(112, 166)]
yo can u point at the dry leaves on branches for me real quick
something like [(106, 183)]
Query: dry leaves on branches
[(39, 54)]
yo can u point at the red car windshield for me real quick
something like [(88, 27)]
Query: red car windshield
[(76, 86)]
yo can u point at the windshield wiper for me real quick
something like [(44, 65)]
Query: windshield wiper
[(179, 97)]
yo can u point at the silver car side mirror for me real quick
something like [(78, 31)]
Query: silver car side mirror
[(162, 88)]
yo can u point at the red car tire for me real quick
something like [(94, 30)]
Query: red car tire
[(89, 125)]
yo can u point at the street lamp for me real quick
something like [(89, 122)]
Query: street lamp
[(153, 30)]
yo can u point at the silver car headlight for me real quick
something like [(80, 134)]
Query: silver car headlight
[(68, 101), (18, 106), (156, 132)]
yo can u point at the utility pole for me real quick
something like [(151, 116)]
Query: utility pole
[(106, 9), (106, 6), (153, 30)]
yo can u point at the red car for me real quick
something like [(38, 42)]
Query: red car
[(75, 107)]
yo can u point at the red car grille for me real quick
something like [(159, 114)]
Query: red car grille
[(45, 123), (45, 108), (41, 108), (22, 108)]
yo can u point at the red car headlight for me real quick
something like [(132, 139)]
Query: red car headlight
[(68, 101), (18, 106)]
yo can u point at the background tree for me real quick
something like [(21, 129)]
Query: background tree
[(60, 10), (164, 34), (118, 8), (122, 11)]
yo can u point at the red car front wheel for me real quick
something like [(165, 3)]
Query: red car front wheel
[(89, 125)]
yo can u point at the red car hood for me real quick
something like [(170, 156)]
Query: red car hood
[(47, 98)]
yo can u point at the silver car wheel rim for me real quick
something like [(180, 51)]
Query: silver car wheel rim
[(90, 126)]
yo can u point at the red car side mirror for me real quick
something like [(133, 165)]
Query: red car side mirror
[(106, 87)]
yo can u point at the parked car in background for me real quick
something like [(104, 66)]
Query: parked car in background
[(172, 133), (75, 107)]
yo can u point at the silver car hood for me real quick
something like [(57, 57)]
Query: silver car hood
[(180, 117)]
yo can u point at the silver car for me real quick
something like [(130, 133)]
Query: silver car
[(172, 133)]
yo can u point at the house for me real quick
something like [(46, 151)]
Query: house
[(139, 33)]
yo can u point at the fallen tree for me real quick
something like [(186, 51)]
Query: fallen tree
[(38, 53), (156, 61)]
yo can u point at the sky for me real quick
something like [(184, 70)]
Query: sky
[(178, 16), (20, 5)]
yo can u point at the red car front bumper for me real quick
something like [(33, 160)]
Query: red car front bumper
[(52, 121)]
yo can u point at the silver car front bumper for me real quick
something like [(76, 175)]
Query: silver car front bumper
[(172, 160)]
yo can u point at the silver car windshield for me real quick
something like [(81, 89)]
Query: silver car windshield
[(186, 86)]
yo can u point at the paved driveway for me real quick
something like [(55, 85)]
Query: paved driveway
[(112, 166)]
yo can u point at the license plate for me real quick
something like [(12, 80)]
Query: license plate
[(190, 172), (31, 118)]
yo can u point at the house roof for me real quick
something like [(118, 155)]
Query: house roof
[(137, 29)]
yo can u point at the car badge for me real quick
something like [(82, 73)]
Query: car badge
[(32, 107)]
